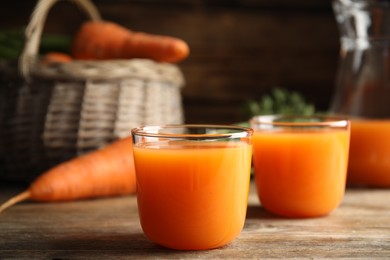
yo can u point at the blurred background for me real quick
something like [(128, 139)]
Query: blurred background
[(240, 49)]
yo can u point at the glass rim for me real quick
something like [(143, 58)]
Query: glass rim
[(325, 120), (237, 131)]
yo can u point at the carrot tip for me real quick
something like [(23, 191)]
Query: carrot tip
[(12, 201)]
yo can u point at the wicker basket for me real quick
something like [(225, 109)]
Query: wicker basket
[(52, 113)]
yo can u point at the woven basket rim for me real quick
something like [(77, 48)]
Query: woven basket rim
[(82, 70)]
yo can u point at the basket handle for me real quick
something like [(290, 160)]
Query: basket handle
[(34, 29)]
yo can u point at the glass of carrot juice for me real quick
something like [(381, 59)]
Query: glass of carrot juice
[(369, 157), (192, 183), (300, 163)]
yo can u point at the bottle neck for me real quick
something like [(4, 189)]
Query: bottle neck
[(363, 20)]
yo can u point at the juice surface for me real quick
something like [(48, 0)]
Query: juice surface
[(193, 196), (369, 161), (301, 173)]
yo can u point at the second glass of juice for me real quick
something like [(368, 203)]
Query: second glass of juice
[(192, 183), (369, 157), (300, 163)]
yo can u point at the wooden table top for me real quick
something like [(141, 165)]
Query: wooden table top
[(109, 229)]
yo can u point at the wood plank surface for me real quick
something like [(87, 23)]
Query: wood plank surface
[(109, 229)]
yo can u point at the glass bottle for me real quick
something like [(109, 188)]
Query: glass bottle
[(363, 87)]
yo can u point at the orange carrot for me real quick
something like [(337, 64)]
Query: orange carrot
[(109, 40), (55, 57), (105, 172)]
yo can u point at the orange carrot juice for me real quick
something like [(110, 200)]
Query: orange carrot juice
[(192, 195), (300, 172), (369, 161)]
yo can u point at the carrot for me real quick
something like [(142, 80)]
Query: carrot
[(55, 57), (108, 171), (109, 40)]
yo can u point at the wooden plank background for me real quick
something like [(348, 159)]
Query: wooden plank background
[(240, 49)]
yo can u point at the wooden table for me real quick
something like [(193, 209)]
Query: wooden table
[(109, 229)]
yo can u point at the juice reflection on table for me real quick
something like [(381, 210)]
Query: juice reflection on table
[(301, 173), (193, 195), (369, 162)]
